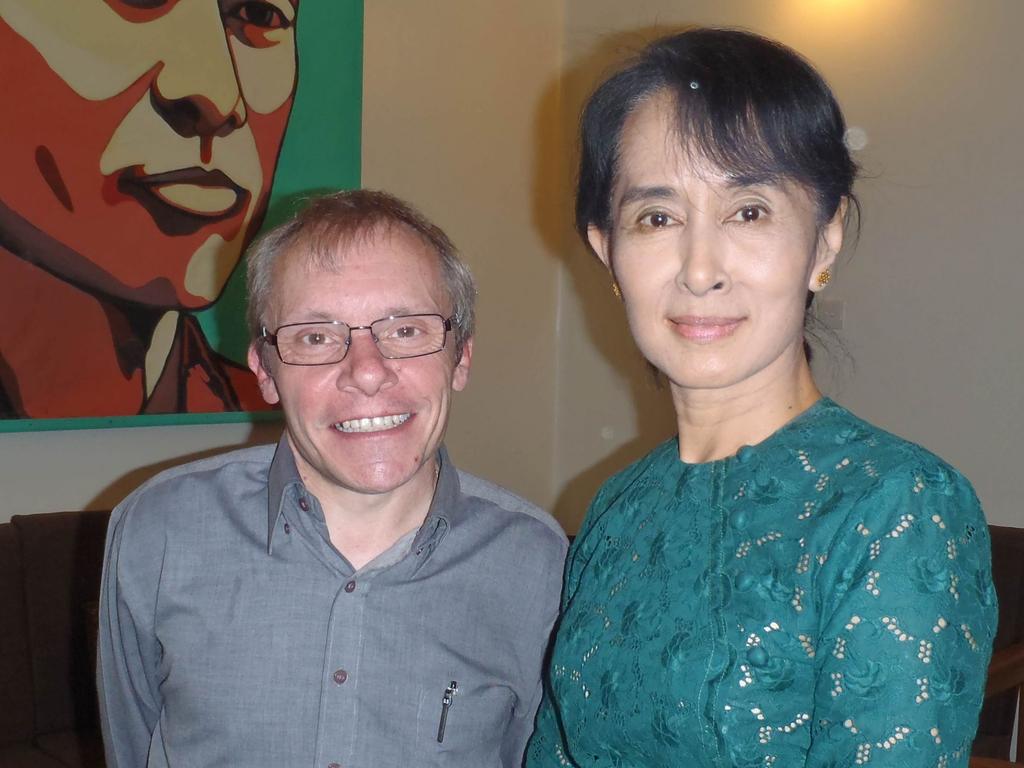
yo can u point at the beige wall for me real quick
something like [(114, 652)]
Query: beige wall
[(469, 112)]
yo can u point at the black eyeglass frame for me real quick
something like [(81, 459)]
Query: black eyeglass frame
[(271, 338)]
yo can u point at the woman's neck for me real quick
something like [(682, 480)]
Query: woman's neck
[(715, 423)]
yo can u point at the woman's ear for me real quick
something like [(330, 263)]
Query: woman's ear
[(830, 242), (600, 242)]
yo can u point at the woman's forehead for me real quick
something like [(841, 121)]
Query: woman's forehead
[(654, 154), (657, 157), (674, 130)]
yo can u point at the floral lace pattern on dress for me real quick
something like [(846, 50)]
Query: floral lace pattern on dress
[(823, 599)]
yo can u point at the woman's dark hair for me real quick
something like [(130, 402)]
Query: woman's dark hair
[(753, 108)]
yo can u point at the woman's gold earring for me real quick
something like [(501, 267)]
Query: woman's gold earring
[(616, 290), (824, 277)]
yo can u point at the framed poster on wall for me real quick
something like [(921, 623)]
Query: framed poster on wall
[(143, 146)]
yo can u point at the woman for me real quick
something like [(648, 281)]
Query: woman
[(782, 584)]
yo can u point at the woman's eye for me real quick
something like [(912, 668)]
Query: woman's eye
[(750, 213), (656, 220)]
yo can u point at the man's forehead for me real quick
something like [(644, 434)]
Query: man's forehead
[(392, 267), (330, 249)]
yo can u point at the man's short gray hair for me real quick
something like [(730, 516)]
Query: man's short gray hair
[(328, 223)]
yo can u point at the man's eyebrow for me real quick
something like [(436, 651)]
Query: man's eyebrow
[(636, 194), (313, 316), (319, 316), (405, 309)]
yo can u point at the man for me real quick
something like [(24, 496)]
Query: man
[(350, 598), (138, 155)]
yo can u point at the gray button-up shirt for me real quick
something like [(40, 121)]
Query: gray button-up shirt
[(233, 633)]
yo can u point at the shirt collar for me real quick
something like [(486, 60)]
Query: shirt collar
[(283, 474), (441, 516), (444, 507)]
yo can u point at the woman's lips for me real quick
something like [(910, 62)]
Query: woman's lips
[(704, 330)]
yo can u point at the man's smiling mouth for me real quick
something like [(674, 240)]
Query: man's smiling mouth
[(372, 424)]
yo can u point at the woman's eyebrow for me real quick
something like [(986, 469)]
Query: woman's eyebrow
[(752, 182), (636, 194)]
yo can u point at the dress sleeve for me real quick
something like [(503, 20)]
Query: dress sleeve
[(547, 745), (908, 616), (546, 748), (128, 686), (522, 725)]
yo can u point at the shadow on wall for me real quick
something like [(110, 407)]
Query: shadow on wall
[(260, 432), (603, 318)]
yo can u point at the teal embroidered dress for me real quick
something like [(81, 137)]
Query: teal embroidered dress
[(821, 599)]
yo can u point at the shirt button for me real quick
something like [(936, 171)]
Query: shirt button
[(303, 504), (287, 528), (350, 587), (340, 676)]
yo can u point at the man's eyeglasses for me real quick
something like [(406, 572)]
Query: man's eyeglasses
[(326, 342)]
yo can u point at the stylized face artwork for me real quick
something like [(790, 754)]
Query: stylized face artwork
[(140, 138)]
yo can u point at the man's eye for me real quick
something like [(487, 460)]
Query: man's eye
[(405, 332), (256, 23), (261, 14), (314, 339)]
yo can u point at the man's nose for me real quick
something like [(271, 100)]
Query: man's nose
[(364, 369), (196, 88)]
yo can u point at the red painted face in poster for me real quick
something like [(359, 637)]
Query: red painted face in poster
[(137, 152)]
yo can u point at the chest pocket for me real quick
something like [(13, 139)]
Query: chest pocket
[(464, 719)]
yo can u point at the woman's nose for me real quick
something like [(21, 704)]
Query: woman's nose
[(701, 264)]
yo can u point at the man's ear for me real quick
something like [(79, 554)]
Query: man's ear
[(830, 242), (460, 376), (600, 242), (268, 387)]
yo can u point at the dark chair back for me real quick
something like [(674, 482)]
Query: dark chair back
[(995, 727)]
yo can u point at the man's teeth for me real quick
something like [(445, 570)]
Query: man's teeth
[(375, 424)]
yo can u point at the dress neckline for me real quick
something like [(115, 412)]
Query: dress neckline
[(747, 452)]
